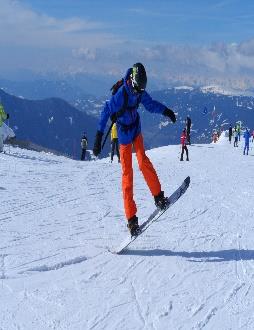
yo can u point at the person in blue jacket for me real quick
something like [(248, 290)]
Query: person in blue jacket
[(122, 108), (246, 137)]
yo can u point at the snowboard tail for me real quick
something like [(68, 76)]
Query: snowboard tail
[(155, 215)]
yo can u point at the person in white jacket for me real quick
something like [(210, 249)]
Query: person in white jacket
[(3, 116)]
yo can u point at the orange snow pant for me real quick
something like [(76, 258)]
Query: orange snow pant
[(146, 168)]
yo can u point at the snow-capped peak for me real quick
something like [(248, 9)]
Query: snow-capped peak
[(225, 91)]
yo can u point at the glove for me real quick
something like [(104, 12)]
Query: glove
[(8, 116), (169, 113), (97, 143)]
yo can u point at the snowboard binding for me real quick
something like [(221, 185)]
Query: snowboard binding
[(133, 226), (161, 202)]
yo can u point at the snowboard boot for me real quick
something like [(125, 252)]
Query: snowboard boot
[(161, 201), (181, 159), (133, 226)]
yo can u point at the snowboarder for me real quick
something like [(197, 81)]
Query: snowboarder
[(215, 136), (3, 116), (114, 143), (84, 143), (184, 146), (188, 127), (122, 109), (246, 137), (239, 132), (235, 134), (230, 133)]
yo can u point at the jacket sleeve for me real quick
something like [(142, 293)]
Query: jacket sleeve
[(111, 107), (105, 114), (152, 105)]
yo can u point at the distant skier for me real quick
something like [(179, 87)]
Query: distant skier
[(230, 133), (122, 109), (84, 143), (252, 136), (184, 146), (246, 137), (3, 116), (114, 143), (188, 128), (235, 134)]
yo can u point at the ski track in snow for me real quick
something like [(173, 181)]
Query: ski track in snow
[(192, 269)]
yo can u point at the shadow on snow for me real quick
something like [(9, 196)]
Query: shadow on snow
[(204, 256)]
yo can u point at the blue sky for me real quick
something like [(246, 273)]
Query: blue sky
[(179, 39), (174, 21)]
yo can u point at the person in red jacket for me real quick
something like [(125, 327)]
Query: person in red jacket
[(184, 147)]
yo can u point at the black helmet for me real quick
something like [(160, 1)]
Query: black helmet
[(138, 77)]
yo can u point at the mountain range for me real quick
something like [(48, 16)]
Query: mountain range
[(58, 123), (52, 123)]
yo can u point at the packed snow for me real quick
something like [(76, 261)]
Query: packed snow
[(192, 269)]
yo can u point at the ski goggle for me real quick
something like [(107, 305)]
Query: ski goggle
[(135, 86)]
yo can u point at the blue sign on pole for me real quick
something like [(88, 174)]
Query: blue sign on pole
[(205, 111)]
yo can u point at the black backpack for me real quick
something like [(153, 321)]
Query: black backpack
[(114, 90), (116, 86)]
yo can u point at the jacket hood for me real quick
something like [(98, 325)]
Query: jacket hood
[(127, 75)]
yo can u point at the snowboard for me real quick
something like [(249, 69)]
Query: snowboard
[(154, 216)]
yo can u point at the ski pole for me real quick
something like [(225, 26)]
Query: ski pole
[(9, 141), (107, 135)]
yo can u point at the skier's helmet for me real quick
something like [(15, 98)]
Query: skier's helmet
[(138, 77)]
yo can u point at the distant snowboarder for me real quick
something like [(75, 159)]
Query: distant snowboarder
[(3, 116), (230, 133), (215, 136), (246, 137), (84, 143), (184, 146), (188, 128), (239, 132), (235, 134), (122, 109)]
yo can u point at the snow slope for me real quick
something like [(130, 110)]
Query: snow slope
[(193, 269)]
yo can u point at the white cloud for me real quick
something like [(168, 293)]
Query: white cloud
[(22, 26), (84, 53), (247, 48), (41, 42)]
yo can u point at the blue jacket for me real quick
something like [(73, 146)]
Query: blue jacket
[(246, 136), (128, 125)]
